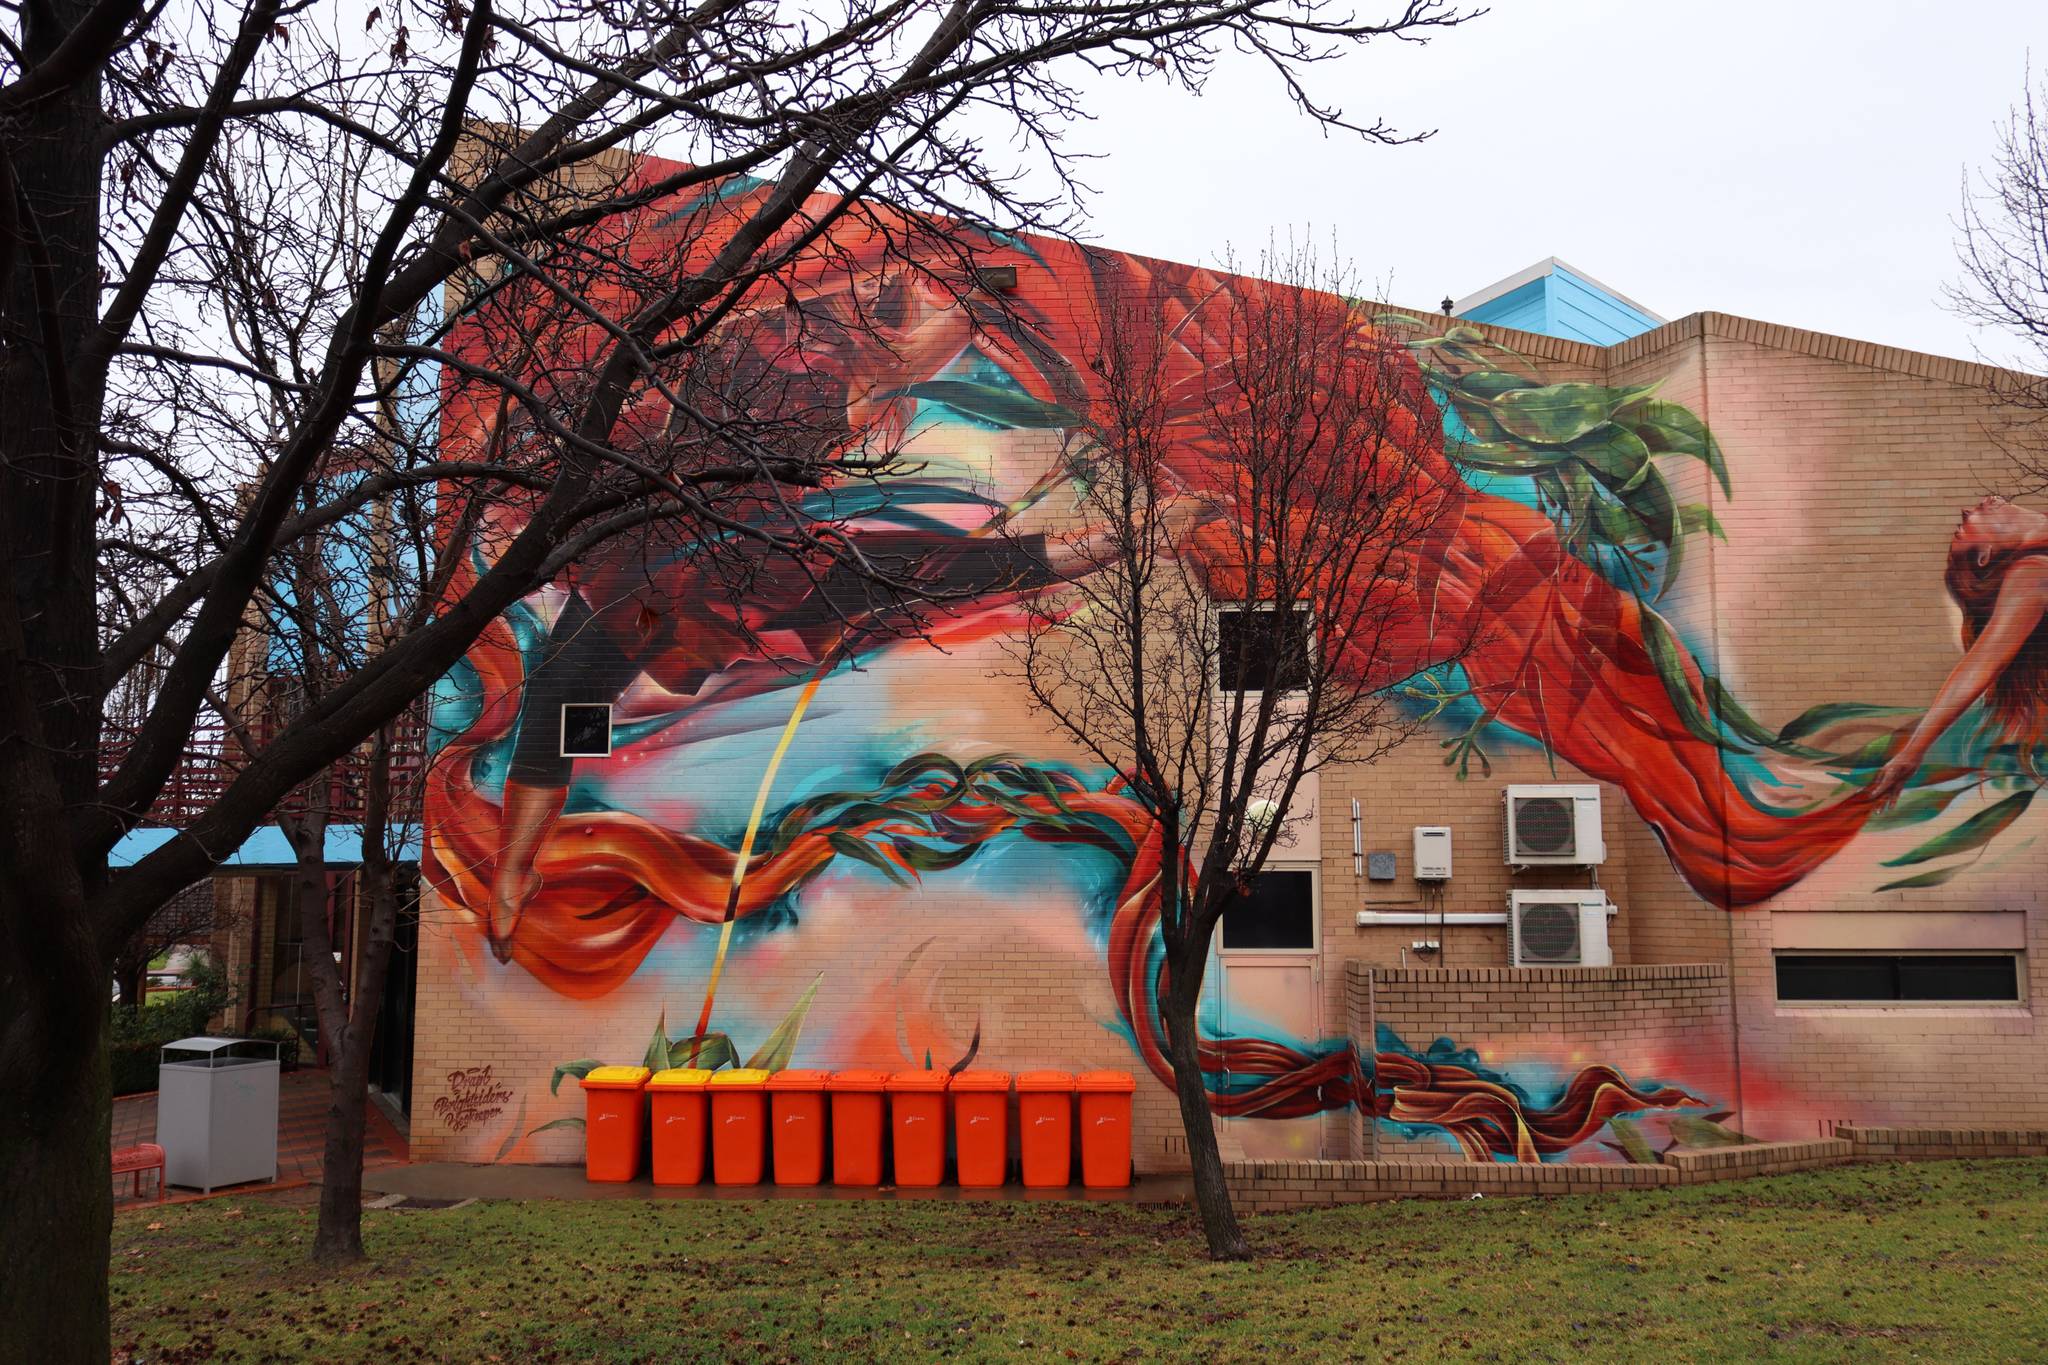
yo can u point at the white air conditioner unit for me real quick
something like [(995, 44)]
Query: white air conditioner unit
[(1553, 826), (1558, 929)]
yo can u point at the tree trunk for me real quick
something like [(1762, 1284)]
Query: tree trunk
[(131, 978), (1212, 1195), (56, 1205), (340, 1234), (56, 1201)]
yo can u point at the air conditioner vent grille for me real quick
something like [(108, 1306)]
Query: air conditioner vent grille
[(1549, 932), (1545, 824)]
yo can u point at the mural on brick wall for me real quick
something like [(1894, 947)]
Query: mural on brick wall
[(811, 832)]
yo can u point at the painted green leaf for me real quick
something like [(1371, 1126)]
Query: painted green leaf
[(1698, 1132), (1617, 457), (1631, 1142), (657, 1048), (1490, 384), (1004, 407), (711, 1051), (1815, 719), (1934, 876), (1498, 458), (1975, 832), (1695, 517), (556, 1123), (579, 1068), (774, 1054), (927, 859), (860, 851), (1663, 649), (1914, 807), (1674, 429), (1553, 414), (1733, 716)]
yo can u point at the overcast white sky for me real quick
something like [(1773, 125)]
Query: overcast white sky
[(1797, 161)]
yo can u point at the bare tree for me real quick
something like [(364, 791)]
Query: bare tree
[(1251, 571), (189, 917), (357, 587), (2003, 249), (212, 219)]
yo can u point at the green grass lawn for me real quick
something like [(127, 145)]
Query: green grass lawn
[(1939, 1262)]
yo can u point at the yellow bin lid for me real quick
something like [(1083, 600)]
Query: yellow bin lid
[(743, 1078), (616, 1078), (680, 1078)]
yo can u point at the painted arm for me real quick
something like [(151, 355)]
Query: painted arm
[(2022, 600)]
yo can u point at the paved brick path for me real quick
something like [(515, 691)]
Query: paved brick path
[(301, 1119)]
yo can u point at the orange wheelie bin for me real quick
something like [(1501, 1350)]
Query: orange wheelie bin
[(615, 1110), (981, 1127), (1045, 1128), (1105, 1128), (796, 1118), (858, 1123), (739, 1126), (677, 1105), (917, 1112)]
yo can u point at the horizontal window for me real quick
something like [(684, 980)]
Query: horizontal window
[(1920, 978)]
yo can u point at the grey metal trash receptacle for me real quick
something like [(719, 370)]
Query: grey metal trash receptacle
[(216, 1111)]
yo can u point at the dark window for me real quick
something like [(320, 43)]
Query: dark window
[(586, 730), (1278, 912), (1263, 650), (1943, 977)]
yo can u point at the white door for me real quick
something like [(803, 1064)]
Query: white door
[(1269, 963)]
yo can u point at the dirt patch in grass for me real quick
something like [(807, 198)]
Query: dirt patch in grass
[(1933, 1262)]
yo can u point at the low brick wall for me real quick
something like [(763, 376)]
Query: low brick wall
[(1943, 1144), (1700, 1165), (1275, 1186), (1668, 1023)]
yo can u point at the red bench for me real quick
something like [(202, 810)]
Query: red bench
[(146, 1156)]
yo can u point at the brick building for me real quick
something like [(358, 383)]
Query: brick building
[(1676, 793)]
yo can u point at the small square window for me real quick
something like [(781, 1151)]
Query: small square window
[(1263, 649), (587, 729), (1279, 912)]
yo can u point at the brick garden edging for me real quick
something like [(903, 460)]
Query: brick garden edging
[(1275, 1186), (1272, 1186), (1943, 1144)]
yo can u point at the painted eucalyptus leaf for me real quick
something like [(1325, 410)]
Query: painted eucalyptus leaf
[(1932, 877), (657, 1048), (555, 1123), (1674, 429), (861, 851), (1630, 1142), (1914, 807), (1816, 719), (775, 1054), (988, 403), (1698, 1132), (1616, 455), (579, 1068), (707, 1051), (1975, 832), (1553, 414)]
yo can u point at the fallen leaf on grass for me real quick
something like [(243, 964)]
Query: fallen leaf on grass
[(156, 1227)]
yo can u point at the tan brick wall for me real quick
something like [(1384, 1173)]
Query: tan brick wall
[(1667, 1024), (1849, 465)]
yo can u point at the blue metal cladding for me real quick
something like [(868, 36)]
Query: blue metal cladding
[(1562, 304)]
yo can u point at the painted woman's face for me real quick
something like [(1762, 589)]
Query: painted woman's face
[(1995, 525)]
